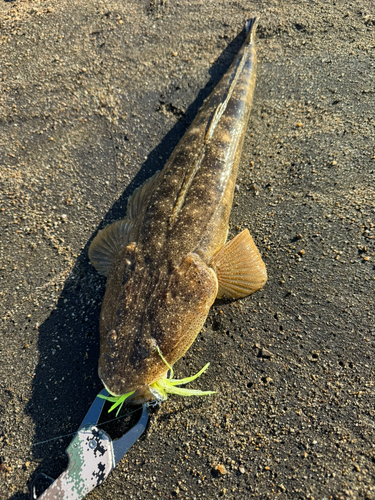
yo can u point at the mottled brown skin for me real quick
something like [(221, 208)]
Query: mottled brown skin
[(160, 287)]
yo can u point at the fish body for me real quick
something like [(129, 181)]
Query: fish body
[(167, 261)]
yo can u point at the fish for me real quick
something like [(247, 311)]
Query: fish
[(168, 260)]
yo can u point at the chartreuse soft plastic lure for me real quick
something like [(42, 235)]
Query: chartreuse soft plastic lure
[(162, 387)]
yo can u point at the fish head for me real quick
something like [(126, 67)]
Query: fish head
[(149, 313)]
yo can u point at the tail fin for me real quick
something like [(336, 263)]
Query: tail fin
[(251, 26)]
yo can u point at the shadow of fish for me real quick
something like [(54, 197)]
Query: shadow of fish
[(168, 260)]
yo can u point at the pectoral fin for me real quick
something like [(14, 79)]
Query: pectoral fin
[(108, 242), (116, 236), (239, 267)]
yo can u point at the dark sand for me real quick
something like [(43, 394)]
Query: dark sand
[(94, 96)]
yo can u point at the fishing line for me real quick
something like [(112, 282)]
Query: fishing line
[(73, 433)]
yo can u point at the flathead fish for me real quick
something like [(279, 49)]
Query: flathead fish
[(168, 260)]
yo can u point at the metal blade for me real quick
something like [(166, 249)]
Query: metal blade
[(93, 415), (123, 444)]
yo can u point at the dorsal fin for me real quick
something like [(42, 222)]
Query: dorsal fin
[(223, 105), (108, 242), (138, 198)]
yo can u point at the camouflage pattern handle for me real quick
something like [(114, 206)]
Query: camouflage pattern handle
[(91, 459)]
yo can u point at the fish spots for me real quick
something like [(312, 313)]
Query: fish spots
[(224, 136), (168, 298), (125, 275), (195, 131), (112, 338), (141, 351), (108, 359)]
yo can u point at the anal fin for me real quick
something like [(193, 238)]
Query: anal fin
[(108, 242), (239, 267)]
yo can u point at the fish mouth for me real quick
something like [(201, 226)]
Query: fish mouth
[(156, 391), (144, 394)]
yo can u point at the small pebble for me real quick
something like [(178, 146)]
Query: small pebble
[(221, 468), (263, 353), (4, 468)]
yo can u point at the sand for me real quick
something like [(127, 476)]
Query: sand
[(94, 97)]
